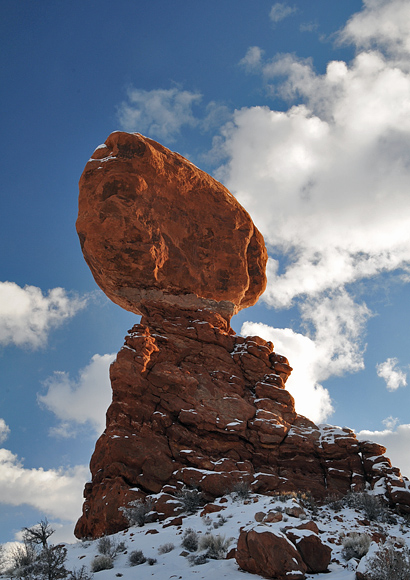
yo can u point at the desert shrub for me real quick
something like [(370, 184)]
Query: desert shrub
[(215, 547), (307, 501), (108, 546), (372, 505), (102, 562), (81, 574), (283, 496), (41, 564), (151, 561), (190, 540), (136, 512), (136, 557), (22, 556), (335, 502), (220, 521), (189, 499), (50, 564), (104, 546), (198, 559), (241, 489), (166, 548), (390, 563), (355, 545)]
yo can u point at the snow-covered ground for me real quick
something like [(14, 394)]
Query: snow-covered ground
[(235, 514)]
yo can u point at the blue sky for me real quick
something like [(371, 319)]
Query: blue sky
[(302, 109)]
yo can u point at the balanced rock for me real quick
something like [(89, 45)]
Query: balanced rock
[(195, 405), (156, 229)]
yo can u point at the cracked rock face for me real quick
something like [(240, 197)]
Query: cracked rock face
[(156, 229)]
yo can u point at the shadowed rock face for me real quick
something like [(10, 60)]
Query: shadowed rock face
[(155, 228), (194, 404)]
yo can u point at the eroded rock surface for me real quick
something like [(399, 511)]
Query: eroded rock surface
[(196, 405), (155, 228)]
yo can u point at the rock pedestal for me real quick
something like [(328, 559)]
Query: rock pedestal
[(195, 405)]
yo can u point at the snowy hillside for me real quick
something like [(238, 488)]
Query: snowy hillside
[(161, 543)]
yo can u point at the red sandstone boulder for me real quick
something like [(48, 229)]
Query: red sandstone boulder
[(269, 554), (314, 553), (156, 229)]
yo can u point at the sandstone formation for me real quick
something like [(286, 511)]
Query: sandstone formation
[(195, 405), (155, 228)]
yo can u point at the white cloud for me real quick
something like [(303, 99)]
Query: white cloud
[(85, 400), (390, 422), (27, 316), (396, 439), (325, 181), (383, 24), (4, 430), (336, 323), (393, 376), (160, 113), (253, 58), (332, 348), (55, 492), (311, 398), (280, 11)]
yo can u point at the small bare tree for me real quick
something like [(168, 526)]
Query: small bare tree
[(38, 535), (35, 559)]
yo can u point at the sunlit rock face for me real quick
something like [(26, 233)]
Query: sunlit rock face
[(156, 229), (194, 404)]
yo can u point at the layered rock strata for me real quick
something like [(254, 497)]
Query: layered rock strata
[(196, 405)]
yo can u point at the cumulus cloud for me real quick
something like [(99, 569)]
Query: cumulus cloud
[(311, 398), (160, 113), (252, 59), (4, 430), (396, 439), (393, 376), (280, 11), (332, 347), (383, 24), (55, 492), (27, 315), (326, 181), (79, 401)]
